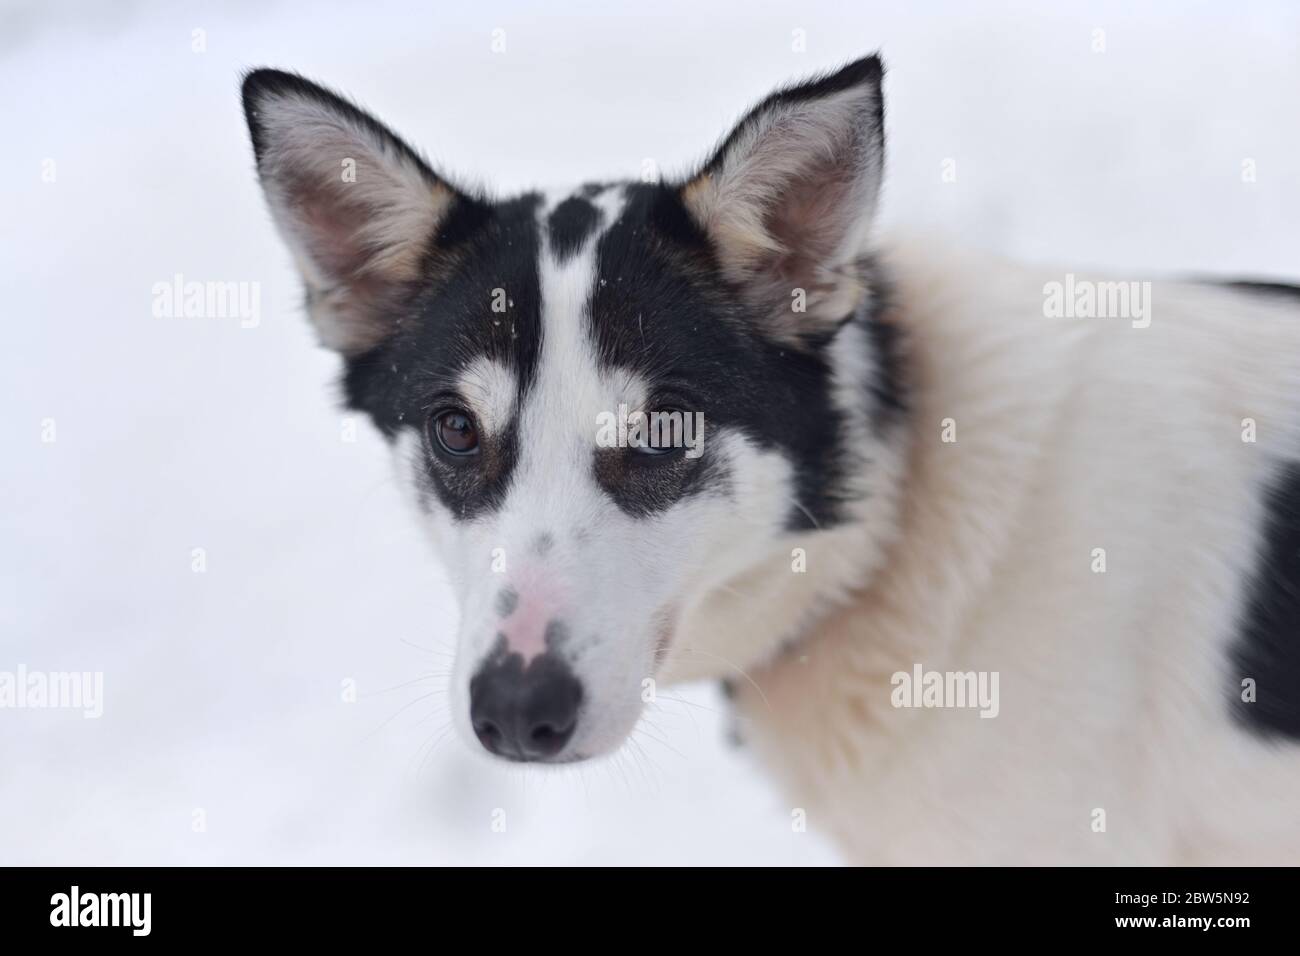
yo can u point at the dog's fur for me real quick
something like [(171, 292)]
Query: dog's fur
[(914, 465)]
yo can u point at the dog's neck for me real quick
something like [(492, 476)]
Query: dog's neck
[(764, 612), (761, 612)]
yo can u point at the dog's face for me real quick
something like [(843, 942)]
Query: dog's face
[(609, 401)]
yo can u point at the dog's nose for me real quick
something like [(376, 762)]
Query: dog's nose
[(524, 712)]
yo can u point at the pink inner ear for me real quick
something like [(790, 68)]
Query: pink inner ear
[(810, 219), (349, 289), (332, 230)]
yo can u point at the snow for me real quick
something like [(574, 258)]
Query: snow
[(226, 737)]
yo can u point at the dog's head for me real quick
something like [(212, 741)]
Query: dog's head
[(609, 402)]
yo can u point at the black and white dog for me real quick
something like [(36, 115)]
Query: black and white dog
[(718, 428)]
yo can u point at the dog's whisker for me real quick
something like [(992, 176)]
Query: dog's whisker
[(712, 710), (405, 707), (651, 772), (661, 741), (431, 744), (433, 675), (733, 665), (428, 650)]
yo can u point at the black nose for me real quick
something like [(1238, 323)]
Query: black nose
[(524, 713)]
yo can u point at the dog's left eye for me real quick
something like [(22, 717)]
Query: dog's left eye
[(665, 435), (454, 431)]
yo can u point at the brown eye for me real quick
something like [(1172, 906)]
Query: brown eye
[(454, 431)]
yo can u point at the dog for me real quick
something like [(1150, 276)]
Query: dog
[(718, 428)]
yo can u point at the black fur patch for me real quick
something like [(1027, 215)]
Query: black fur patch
[(643, 485), (888, 387), (1268, 646), (662, 309), (569, 225), (1265, 288), (484, 253)]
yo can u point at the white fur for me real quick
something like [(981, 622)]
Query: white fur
[(490, 388), (1072, 434)]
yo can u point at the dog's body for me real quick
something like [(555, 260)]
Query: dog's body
[(1121, 689), (908, 463)]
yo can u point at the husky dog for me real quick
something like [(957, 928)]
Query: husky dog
[(1002, 564)]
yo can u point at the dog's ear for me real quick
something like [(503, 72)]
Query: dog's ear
[(788, 199), (356, 205)]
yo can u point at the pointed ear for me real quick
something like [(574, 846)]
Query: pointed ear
[(788, 199), (356, 205)]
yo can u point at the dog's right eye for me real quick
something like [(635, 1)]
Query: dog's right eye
[(454, 432)]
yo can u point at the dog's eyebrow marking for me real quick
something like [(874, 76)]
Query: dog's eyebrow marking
[(507, 601), (491, 389), (542, 546), (570, 225)]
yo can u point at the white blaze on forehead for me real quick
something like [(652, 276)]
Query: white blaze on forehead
[(562, 411), (490, 389)]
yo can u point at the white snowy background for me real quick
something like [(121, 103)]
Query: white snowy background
[(223, 690)]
